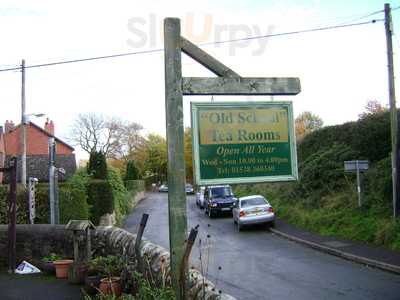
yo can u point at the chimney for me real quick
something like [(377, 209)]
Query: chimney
[(49, 127), (8, 126)]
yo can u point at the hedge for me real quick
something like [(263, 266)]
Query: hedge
[(80, 198), (370, 137), (134, 185), (72, 198), (100, 198)]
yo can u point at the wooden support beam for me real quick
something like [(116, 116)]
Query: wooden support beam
[(176, 159), (240, 86), (206, 60)]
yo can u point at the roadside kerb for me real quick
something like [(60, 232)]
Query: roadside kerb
[(342, 254)]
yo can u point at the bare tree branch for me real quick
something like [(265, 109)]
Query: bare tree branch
[(114, 137)]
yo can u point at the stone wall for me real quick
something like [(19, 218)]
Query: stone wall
[(36, 241)]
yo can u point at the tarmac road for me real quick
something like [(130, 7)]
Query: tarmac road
[(256, 264)]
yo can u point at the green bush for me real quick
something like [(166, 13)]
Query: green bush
[(100, 199), (378, 185), (132, 172), (370, 137), (22, 204), (97, 165), (322, 173), (73, 205), (134, 185)]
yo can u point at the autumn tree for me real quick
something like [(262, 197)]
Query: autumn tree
[(151, 157), (305, 123), (372, 107), (188, 155)]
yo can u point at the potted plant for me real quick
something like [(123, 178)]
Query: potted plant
[(94, 273), (112, 267), (47, 263), (62, 266)]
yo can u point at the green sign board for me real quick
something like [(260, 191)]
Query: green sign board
[(243, 142)]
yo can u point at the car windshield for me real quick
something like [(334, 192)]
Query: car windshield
[(222, 191), (253, 202)]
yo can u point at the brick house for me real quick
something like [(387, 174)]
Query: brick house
[(37, 150)]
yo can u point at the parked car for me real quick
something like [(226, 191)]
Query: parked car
[(163, 188), (217, 199), (200, 197), (189, 188), (253, 210)]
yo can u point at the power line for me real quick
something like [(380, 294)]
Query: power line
[(204, 44), (363, 16), (293, 32)]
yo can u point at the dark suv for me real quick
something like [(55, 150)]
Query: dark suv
[(218, 198)]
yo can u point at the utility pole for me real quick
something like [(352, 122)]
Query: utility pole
[(52, 170), (393, 111), (23, 126)]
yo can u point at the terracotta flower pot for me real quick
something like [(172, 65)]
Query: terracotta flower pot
[(111, 285), (62, 267)]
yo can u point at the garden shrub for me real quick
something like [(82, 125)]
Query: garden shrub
[(134, 185), (100, 199), (132, 172), (121, 196), (97, 165)]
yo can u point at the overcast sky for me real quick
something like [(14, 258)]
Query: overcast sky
[(340, 70)]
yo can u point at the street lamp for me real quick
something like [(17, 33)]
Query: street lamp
[(24, 122)]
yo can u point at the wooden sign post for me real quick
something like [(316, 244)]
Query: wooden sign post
[(228, 83)]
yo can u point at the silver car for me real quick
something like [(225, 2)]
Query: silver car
[(252, 210), (163, 188)]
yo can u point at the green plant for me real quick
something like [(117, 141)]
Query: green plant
[(97, 165), (106, 266), (100, 198), (135, 185), (132, 172), (148, 290), (51, 257), (102, 296)]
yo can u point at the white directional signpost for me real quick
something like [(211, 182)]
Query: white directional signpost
[(357, 166), (277, 149)]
